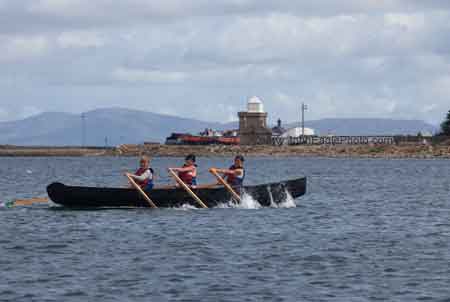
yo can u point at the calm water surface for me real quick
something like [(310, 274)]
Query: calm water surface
[(367, 230)]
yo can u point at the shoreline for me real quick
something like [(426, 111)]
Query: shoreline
[(441, 151)]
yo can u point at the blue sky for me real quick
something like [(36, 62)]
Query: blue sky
[(203, 59)]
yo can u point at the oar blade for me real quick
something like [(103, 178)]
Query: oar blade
[(26, 202)]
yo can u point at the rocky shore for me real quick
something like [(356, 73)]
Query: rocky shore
[(156, 150)]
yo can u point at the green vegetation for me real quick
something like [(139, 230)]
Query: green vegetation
[(445, 126), (377, 149)]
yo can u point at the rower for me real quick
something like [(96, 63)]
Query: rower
[(144, 175), (235, 174), (188, 173)]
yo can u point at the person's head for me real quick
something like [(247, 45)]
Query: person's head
[(144, 162), (190, 159), (239, 161)]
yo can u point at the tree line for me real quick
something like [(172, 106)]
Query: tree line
[(445, 126)]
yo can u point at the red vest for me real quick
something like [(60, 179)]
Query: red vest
[(142, 184), (188, 177)]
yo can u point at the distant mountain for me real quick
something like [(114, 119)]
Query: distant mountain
[(369, 126), (117, 125), (121, 126)]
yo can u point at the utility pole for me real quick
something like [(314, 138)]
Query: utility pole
[(83, 129), (304, 108)]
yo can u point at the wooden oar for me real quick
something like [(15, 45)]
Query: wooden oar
[(225, 184), (137, 187), (28, 202), (193, 195)]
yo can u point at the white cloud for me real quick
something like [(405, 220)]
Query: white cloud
[(80, 39), (14, 48), (216, 110), (286, 37), (406, 21), (149, 76), (180, 9), (62, 7), (390, 106), (440, 88), (284, 99), (372, 57)]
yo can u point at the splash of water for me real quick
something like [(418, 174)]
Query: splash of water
[(272, 203), (289, 202), (185, 207), (223, 205), (248, 202)]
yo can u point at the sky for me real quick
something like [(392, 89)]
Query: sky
[(203, 59)]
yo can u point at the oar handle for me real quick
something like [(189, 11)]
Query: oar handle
[(213, 171), (139, 189), (186, 187)]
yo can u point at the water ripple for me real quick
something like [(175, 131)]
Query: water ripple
[(368, 230)]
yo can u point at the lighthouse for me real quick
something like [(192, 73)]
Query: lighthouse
[(253, 124)]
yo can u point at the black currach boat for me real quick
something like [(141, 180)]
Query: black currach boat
[(170, 196)]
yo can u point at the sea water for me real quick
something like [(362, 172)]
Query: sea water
[(366, 230)]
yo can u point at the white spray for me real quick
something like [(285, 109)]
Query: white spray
[(289, 202), (272, 203), (248, 202)]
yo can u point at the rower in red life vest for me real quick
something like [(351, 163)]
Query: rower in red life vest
[(144, 175), (235, 174), (188, 173)]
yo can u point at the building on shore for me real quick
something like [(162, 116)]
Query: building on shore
[(278, 130), (298, 131), (208, 137), (253, 128)]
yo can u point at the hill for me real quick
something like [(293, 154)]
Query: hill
[(366, 126), (122, 126), (118, 125)]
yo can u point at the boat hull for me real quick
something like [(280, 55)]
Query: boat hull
[(94, 197)]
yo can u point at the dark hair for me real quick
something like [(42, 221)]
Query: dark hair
[(190, 157), (240, 157)]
